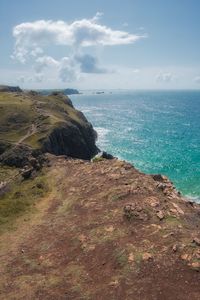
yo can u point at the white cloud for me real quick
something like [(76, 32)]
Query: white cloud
[(43, 62), (34, 39), (197, 79), (68, 70), (164, 77)]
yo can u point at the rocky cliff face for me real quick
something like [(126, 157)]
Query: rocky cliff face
[(72, 140), (32, 124)]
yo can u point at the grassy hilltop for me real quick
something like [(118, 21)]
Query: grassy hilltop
[(46, 123)]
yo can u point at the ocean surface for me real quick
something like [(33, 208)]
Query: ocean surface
[(157, 131)]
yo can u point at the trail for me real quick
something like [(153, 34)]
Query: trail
[(78, 246), (32, 130)]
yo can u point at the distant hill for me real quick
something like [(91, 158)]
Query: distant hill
[(64, 91), (11, 89), (71, 92)]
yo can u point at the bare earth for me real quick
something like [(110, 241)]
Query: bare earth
[(105, 231)]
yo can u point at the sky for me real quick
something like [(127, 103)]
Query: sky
[(100, 44)]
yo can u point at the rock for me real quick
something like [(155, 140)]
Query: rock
[(26, 172), (153, 201), (129, 211), (175, 248), (109, 228), (186, 257), (131, 257), (102, 155), (3, 184), (17, 156), (178, 209), (160, 215), (196, 241), (133, 211), (147, 256), (161, 186), (197, 254), (195, 266), (158, 177), (72, 140), (4, 146)]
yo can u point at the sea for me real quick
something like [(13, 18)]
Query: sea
[(157, 131)]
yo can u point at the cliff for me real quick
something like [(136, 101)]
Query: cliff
[(32, 124), (87, 229)]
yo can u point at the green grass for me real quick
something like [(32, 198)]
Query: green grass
[(97, 159), (18, 113), (173, 221), (20, 198), (121, 258), (6, 173)]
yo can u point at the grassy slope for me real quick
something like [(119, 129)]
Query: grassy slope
[(18, 114), (19, 196), (20, 111)]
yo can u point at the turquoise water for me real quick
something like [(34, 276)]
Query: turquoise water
[(157, 131)]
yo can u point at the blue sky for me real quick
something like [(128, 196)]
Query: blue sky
[(100, 44)]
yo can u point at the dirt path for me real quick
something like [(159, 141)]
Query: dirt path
[(32, 130), (79, 246)]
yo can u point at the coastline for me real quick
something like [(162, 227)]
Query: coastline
[(162, 136)]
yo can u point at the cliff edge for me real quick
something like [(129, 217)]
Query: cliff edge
[(86, 229)]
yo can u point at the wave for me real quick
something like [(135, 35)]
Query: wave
[(102, 134), (193, 198)]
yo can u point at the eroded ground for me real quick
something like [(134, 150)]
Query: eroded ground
[(103, 231)]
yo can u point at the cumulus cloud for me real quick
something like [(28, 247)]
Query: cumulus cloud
[(164, 77), (68, 70), (44, 62), (33, 39), (89, 64)]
